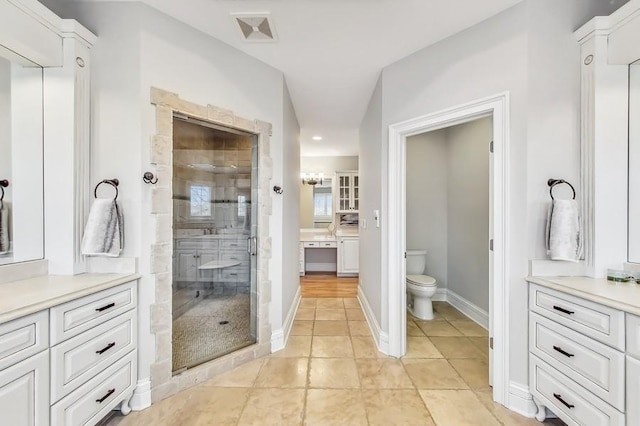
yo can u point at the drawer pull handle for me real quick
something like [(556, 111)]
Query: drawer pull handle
[(101, 400), (563, 352), (559, 398), (106, 348), (105, 307), (563, 310)]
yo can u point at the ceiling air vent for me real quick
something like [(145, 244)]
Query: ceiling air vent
[(255, 26)]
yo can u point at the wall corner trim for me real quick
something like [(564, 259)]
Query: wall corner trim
[(280, 336), (521, 400), (141, 398), (381, 338)]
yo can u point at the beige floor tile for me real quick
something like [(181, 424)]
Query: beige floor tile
[(274, 407), (302, 328), (473, 371), (331, 328), (331, 314), (333, 373), (433, 374), (452, 314), (438, 328), (470, 328), (421, 347), (223, 405), (297, 346), (283, 373), (308, 302), (456, 347), (365, 347), (395, 407), (335, 407), (413, 329), (482, 343), (351, 303), (240, 377), (359, 328), (457, 408), (305, 314), (355, 314), (330, 303), (436, 316), (383, 374), (332, 347)]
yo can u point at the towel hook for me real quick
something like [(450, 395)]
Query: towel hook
[(3, 184), (554, 182), (149, 178), (112, 182)]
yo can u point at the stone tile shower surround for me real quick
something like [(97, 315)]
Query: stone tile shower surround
[(163, 384)]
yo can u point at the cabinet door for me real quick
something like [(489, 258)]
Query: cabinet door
[(343, 199), (633, 391), (204, 257), (355, 196), (187, 265), (24, 392), (348, 255)]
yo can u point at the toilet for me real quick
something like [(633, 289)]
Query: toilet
[(420, 288)]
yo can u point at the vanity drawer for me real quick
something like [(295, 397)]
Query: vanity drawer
[(23, 337), (93, 400), (197, 243), (72, 318), (311, 244), (570, 401), (234, 244), (241, 256), (633, 335), (234, 276), (76, 360), (591, 319), (597, 367)]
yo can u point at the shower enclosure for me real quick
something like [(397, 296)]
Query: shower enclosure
[(215, 177)]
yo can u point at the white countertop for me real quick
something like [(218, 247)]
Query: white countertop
[(20, 298), (323, 235), (622, 296)]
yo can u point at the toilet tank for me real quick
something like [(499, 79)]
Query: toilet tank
[(416, 262)]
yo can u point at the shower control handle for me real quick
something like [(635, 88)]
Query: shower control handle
[(252, 245)]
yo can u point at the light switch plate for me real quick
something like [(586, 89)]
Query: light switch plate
[(376, 217)]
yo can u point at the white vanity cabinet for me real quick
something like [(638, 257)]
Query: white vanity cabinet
[(74, 360), (348, 255), (581, 357)]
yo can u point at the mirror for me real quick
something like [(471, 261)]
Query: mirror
[(316, 204), (21, 161), (634, 162)]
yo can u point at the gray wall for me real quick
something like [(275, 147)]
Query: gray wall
[(528, 51), (427, 200), (468, 210), (291, 200)]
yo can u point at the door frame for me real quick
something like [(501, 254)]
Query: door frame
[(496, 106)]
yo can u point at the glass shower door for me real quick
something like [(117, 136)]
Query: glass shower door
[(214, 221)]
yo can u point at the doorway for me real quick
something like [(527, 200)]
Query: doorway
[(495, 107)]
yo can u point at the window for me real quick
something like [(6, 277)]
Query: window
[(200, 201), (322, 204)]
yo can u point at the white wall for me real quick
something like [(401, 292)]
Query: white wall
[(500, 54), (427, 183), (468, 210), (5, 123), (139, 47), (291, 200)]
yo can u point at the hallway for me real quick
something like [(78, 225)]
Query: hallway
[(330, 373)]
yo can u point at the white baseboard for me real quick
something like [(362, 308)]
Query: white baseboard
[(321, 267), (440, 296), (521, 401), (381, 338), (469, 309), (141, 398), (280, 336)]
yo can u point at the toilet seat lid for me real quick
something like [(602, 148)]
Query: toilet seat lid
[(424, 280)]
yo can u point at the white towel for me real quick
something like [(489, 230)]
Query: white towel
[(104, 232), (5, 241), (564, 239)]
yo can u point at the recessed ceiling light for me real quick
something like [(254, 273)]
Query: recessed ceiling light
[(317, 138)]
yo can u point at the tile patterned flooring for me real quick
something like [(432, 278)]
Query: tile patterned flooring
[(330, 373)]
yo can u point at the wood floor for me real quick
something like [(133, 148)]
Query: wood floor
[(318, 286)]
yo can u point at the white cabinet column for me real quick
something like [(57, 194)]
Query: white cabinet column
[(604, 144), (67, 134)]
